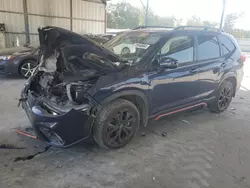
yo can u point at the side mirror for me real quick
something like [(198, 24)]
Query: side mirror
[(169, 63)]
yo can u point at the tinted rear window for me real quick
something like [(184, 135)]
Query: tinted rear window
[(208, 47), (226, 45)]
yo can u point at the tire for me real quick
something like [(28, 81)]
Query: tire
[(116, 124), (223, 97), (26, 68), (125, 51)]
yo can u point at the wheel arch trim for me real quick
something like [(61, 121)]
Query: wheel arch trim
[(136, 93), (227, 76)]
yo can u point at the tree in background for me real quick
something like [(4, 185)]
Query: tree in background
[(230, 20), (196, 21), (229, 26), (123, 16)]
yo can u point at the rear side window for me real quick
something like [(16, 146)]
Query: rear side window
[(226, 45), (208, 47)]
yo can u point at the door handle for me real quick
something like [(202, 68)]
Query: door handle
[(193, 70), (223, 64)]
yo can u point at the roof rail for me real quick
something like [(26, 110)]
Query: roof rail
[(204, 28), (143, 27)]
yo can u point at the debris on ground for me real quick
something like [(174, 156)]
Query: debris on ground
[(10, 146), (142, 134), (242, 98), (185, 121), (29, 157), (232, 110), (242, 178), (164, 134), (59, 166)]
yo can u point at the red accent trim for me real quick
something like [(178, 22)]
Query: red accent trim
[(180, 110), (25, 134)]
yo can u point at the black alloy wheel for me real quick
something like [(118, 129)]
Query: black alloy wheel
[(120, 128), (116, 124), (224, 96)]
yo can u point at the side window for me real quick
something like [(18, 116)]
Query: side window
[(180, 48), (208, 47), (226, 45)]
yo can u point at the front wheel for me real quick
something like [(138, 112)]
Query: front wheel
[(116, 124), (224, 97)]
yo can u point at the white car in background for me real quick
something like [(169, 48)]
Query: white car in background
[(127, 47)]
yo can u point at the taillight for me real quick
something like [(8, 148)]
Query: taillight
[(243, 58)]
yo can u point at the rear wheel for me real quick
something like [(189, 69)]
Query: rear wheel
[(116, 124), (27, 67), (224, 97)]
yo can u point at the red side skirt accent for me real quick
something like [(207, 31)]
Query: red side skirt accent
[(180, 110), (26, 134)]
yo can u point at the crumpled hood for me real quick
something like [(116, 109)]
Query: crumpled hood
[(55, 37)]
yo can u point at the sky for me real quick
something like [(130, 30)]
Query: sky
[(205, 9)]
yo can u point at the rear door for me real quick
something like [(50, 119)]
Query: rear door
[(174, 87), (209, 61)]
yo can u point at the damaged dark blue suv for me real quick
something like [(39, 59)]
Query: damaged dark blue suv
[(81, 88)]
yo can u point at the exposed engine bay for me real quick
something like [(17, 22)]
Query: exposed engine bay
[(62, 95), (68, 67)]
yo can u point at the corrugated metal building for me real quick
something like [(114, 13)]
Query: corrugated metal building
[(23, 17)]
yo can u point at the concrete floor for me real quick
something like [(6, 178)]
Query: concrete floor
[(199, 149)]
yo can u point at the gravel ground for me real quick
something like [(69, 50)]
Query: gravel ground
[(191, 150)]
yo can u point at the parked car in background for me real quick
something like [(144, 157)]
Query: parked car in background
[(19, 60), (81, 88)]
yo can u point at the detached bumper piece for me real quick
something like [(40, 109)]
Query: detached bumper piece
[(59, 130)]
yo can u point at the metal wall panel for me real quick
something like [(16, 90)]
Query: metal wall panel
[(88, 10), (11, 5), (13, 22), (49, 7), (39, 21), (13, 39), (2, 41), (88, 17), (82, 26), (34, 39)]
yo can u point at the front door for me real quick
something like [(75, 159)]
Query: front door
[(173, 87)]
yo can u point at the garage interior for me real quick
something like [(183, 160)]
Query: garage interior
[(197, 149), (20, 19)]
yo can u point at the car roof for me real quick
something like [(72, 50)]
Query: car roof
[(161, 31), (164, 31)]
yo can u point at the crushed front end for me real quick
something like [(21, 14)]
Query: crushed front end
[(55, 98), (58, 123)]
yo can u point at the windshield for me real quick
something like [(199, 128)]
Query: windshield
[(132, 46)]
